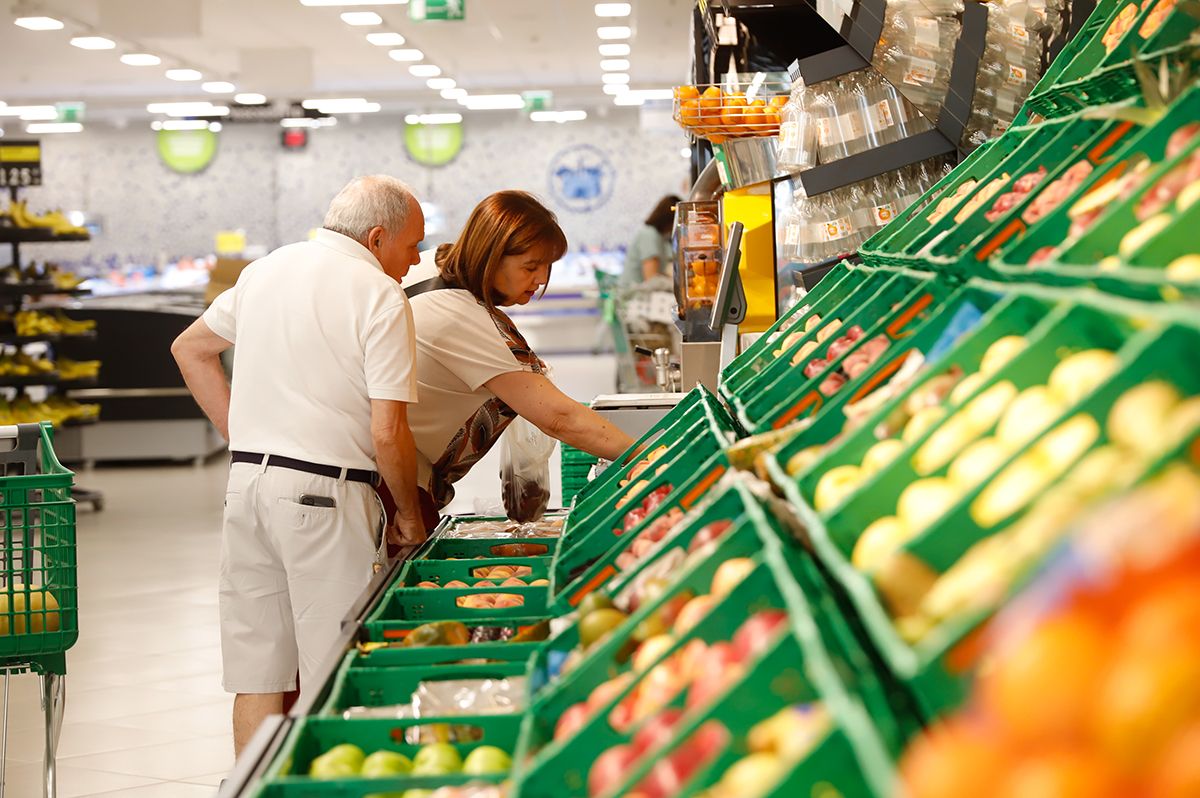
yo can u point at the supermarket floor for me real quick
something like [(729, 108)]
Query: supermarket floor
[(145, 713)]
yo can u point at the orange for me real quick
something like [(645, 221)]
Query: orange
[(1148, 697), (689, 111), (1062, 774), (686, 92), (1043, 688), (1176, 774), (1167, 614), (778, 101), (756, 114), (733, 113), (710, 103), (952, 760)]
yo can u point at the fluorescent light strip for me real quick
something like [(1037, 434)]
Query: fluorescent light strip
[(21, 110), (410, 54), (433, 119), (614, 32), (40, 115), (93, 43), (614, 77), (353, 2), (615, 65), (38, 23), (390, 39), (558, 116), (615, 88), (614, 50), (308, 122), (140, 59), (183, 74), (440, 84), (188, 109), (361, 18), (493, 102), (628, 98), (181, 124), (347, 105), (250, 98), (453, 94), (54, 127), (218, 87), (613, 9), (424, 70)]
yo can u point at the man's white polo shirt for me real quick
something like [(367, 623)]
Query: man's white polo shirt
[(320, 330)]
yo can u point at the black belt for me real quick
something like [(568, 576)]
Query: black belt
[(352, 474)]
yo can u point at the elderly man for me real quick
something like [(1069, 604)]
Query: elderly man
[(323, 373)]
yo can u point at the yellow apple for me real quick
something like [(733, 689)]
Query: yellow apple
[(1032, 411), (829, 329), (985, 410), (1138, 418), (921, 422), (967, 386), (1009, 492), (812, 322), (650, 650), (879, 455), (977, 462), (1000, 352), (1063, 445), (1139, 236), (835, 485), (878, 541), (1077, 375), (802, 459), (1188, 197), (1101, 470), (1185, 269), (945, 442), (926, 500), (802, 354)]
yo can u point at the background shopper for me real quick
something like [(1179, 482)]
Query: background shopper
[(650, 254), (322, 379)]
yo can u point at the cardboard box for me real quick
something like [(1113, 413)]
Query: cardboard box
[(223, 275)]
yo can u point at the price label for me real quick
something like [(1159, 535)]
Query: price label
[(928, 35), (20, 164)]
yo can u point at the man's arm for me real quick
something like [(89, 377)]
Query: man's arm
[(537, 400), (198, 350), (396, 456)]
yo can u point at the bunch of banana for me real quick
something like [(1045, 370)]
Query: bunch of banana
[(56, 221), (57, 410), (30, 323), (22, 365), (77, 369)]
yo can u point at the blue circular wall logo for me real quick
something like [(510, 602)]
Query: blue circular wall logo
[(581, 178)]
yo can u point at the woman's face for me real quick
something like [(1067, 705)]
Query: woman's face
[(520, 277)]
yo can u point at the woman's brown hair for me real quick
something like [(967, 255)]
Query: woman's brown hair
[(662, 218), (505, 223)]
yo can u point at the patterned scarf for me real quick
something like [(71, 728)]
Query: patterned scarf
[(481, 431)]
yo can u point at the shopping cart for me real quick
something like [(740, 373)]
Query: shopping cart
[(38, 579), (630, 330)]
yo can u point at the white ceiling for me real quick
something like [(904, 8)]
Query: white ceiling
[(502, 45)]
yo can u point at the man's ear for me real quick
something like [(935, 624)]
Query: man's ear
[(375, 238)]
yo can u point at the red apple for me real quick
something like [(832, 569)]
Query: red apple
[(730, 574), (607, 691), (692, 613), (709, 533), (571, 720), (656, 497), (755, 634), (657, 731), (609, 769), (719, 668)]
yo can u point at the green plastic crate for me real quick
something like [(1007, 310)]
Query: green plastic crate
[(1044, 99), (443, 571), (443, 548), (574, 466), (381, 627), (433, 657), (442, 604)]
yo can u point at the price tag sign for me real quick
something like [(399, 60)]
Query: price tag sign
[(20, 163)]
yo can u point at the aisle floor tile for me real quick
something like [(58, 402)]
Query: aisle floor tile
[(73, 782), (164, 789), (203, 721), (169, 762), (85, 739)]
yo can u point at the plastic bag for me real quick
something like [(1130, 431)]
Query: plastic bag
[(525, 470)]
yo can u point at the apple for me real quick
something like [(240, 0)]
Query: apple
[(650, 651), (985, 410), (657, 497), (1063, 445), (596, 625), (339, 762), (1188, 197), (486, 759), (1183, 421), (835, 486), (879, 455), (658, 689), (428, 584), (756, 774), (485, 583), (967, 386), (656, 732), (670, 609), (621, 717), (878, 541), (925, 501), (523, 570), (456, 583), (513, 581), (437, 759), (506, 600), (610, 769), (641, 547), (1000, 352), (540, 583), (757, 632), (730, 574), (946, 441), (571, 721), (501, 572), (1077, 375), (1138, 418), (692, 613), (1184, 269), (977, 462), (720, 667), (605, 692), (690, 658), (1032, 411), (1009, 492), (708, 533), (386, 763), (921, 422), (1141, 235), (828, 330)]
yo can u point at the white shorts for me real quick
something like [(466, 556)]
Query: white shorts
[(289, 572)]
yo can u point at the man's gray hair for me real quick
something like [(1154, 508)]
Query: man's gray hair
[(370, 201)]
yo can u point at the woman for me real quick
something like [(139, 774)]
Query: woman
[(650, 255), (475, 372)]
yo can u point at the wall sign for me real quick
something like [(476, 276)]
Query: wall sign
[(20, 163), (581, 178), (187, 151), (433, 145), (425, 10)]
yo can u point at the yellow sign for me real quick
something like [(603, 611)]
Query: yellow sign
[(20, 153), (231, 242)]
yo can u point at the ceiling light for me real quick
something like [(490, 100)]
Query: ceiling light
[(614, 50), (615, 64), (361, 18), (437, 84), (616, 88), (353, 2), (614, 32), (156, 125), (215, 127), (305, 121), (38, 23), (558, 116), (184, 124), (40, 114), (453, 94), (613, 9), (183, 74), (249, 98), (433, 119), (53, 127), (628, 98), (406, 55), (93, 43), (21, 110), (385, 39), (686, 152), (197, 108), (493, 102), (615, 77), (140, 59), (218, 87), (345, 105), (425, 70)]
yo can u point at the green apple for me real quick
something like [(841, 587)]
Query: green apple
[(386, 763), (835, 485), (487, 759), (338, 762), (437, 759)]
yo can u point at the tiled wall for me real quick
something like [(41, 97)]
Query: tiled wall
[(151, 213)]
